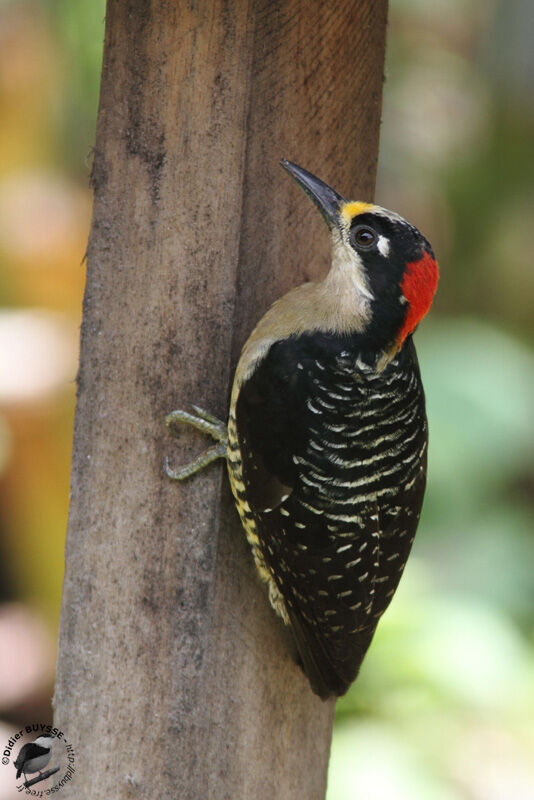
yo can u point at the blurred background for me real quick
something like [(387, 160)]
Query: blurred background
[(444, 706)]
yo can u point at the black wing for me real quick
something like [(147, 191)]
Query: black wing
[(328, 565), (26, 753)]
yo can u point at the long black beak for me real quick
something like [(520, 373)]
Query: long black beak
[(325, 198)]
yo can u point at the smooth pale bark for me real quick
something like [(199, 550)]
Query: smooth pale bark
[(175, 679)]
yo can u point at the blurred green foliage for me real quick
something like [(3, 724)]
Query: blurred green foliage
[(79, 31)]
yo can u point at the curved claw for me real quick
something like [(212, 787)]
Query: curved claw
[(203, 414), (205, 422), (211, 454)]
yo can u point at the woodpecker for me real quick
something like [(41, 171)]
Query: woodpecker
[(326, 442)]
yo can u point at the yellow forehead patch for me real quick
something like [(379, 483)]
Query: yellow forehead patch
[(351, 210)]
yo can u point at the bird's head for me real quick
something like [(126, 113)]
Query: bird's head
[(385, 263), (45, 740)]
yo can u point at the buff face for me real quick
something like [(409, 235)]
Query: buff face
[(390, 259)]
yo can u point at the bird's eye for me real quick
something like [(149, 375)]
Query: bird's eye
[(364, 237)]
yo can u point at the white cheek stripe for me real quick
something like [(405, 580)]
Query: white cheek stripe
[(383, 246)]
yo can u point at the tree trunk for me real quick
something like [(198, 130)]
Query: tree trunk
[(175, 678)]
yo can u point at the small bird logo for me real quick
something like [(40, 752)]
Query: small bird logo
[(34, 756)]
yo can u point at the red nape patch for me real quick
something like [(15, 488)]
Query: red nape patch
[(418, 286)]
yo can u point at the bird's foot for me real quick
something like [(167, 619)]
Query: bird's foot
[(205, 422)]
